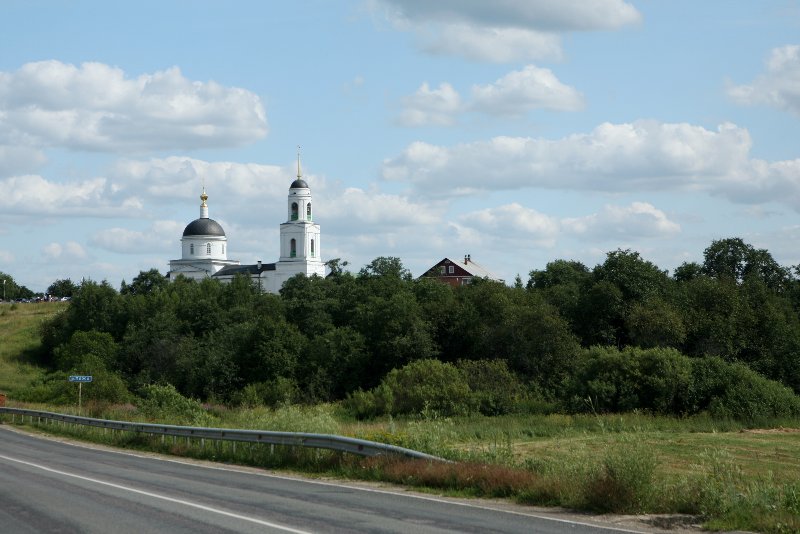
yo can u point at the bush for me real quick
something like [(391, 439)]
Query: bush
[(623, 481), (55, 388), (368, 404), (164, 402), (495, 389), (732, 390), (428, 384), (279, 392)]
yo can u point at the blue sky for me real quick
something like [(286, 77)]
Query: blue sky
[(518, 132)]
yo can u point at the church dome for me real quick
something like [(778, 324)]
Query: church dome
[(204, 226), (298, 184)]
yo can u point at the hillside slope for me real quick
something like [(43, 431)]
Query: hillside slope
[(19, 339)]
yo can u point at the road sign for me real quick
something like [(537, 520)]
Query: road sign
[(80, 378)]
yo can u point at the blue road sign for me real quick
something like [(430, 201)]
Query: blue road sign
[(80, 378)]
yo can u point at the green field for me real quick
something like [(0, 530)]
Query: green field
[(19, 337), (733, 475)]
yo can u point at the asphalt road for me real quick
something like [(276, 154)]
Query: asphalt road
[(51, 486)]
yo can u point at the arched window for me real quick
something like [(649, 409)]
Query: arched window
[(308, 211), (191, 248), (223, 249), (208, 248), (312, 248), (294, 211), (293, 248)]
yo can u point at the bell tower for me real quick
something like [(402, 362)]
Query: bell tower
[(300, 236)]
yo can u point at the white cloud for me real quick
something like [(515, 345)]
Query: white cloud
[(639, 156), (503, 30), (513, 222), (492, 44), (526, 226), (515, 94), (96, 107), (32, 194), (640, 219), (64, 252), (431, 106), (564, 15), (19, 159), (520, 91), (368, 212), (161, 236), (167, 179), (779, 86)]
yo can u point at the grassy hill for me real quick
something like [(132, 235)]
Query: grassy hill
[(19, 339)]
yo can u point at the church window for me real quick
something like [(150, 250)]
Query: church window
[(208, 248), (294, 211), (293, 248), (223, 249), (312, 247), (191, 248), (308, 211)]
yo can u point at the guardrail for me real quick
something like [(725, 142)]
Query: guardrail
[(361, 447)]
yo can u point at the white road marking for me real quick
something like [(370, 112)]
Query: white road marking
[(345, 486), (157, 496)]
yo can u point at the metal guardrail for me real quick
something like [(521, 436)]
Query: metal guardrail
[(361, 447)]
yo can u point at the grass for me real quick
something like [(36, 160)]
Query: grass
[(19, 339), (734, 475)]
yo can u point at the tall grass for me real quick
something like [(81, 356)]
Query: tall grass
[(19, 340)]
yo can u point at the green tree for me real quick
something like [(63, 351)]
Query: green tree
[(84, 345), (687, 271), (655, 323), (145, 282), (636, 278), (733, 259), (62, 288)]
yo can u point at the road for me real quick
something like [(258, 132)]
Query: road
[(51, 486)]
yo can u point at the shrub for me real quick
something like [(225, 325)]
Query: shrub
[(623, 481), (495, 389), (164, 402), (278, 392), (732, 390), (428, 384), (368, 404)]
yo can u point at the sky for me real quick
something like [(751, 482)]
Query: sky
[(516, 131)]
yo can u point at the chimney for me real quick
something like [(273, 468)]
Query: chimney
[(466, 259)]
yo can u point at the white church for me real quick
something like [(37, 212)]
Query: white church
[(203, 246)]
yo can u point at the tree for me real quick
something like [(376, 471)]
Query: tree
[(733, 259), (635, 277), (145, 282), (62, 288), (385, 266), (655, 323), (336, 266), (687, 271), (86, 345), (12, 290)]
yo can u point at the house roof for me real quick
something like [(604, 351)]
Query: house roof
[(467, 264)]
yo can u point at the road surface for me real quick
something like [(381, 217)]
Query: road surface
[(48, 485)]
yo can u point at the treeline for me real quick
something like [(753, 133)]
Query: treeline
[(722, 336)]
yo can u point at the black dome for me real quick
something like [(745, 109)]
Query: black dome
[(204, 227), (299, 183)]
